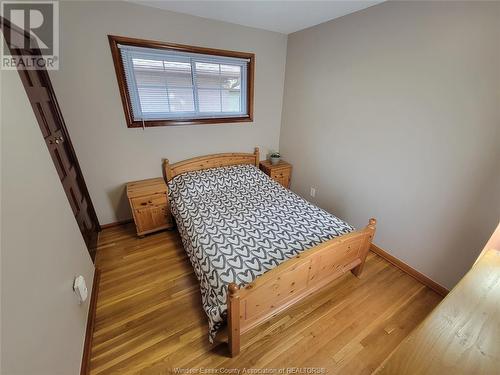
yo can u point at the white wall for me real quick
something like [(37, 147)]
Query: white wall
[(43, 326), (393, 112), (110, 154)]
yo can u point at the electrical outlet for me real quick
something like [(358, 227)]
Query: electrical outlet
[(312, 192)]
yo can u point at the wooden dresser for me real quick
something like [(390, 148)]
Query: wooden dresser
[(281, 172), (149, 204)]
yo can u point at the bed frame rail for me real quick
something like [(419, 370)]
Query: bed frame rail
[(294, 280)]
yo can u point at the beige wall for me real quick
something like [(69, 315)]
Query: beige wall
[(43, 326), (109, 153), (394, 112)]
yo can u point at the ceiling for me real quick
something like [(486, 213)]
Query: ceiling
[(281, 16)]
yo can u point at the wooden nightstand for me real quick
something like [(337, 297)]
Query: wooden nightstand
[(149, 203), (281, 172)]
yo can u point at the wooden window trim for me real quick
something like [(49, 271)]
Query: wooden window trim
[(114, 41)]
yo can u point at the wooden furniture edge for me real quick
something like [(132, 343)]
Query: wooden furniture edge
[(441, 313), (209, 161), (493, 243), (87, 346), (233, 319), (439, 289), (283, 164), (491, 247), (157, 229), (129, 221), (236, 295)]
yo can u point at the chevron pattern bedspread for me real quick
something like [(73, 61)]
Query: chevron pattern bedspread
[(236, 223)]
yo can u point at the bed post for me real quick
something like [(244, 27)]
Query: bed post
[(370, 230), (233, 319), (167, 170), (257, 156)]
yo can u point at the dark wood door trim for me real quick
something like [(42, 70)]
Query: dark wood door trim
[(37, 84)]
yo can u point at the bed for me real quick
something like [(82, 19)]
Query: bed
[(255, 246)]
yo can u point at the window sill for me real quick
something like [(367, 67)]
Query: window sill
[(201, 121)]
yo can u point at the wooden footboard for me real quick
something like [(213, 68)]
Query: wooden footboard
[(294, 280)]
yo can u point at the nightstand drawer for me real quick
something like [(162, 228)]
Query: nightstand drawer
[(280, 174), (149, 204), (150, 201)]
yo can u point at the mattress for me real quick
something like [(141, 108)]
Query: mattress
[(236, 223)]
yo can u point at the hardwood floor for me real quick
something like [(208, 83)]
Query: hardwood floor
[(149, 318)]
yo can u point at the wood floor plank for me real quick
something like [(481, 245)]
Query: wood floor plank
[(149, 318)]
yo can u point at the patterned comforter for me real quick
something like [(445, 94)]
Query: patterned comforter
[(236, 223)]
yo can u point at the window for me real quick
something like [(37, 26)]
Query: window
[(171, 84)]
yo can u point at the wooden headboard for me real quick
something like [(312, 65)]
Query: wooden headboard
[(209, 161)]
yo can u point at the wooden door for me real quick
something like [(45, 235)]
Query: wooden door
[(44, 103)]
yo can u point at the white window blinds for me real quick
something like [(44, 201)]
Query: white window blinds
[(167, 84)]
